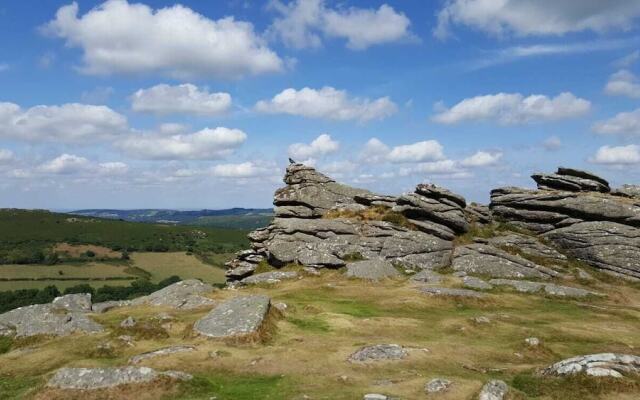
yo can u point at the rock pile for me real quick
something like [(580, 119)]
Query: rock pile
[(603, 364)]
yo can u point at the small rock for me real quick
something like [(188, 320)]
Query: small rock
[(532, 341), (494, 390), (129, 322), (282, 307), (437, 385), (427, 276), (126, 339), (160, 352), (311, 271), (584, 275), (481, 320), (379, 352), (375, 396), (472, 282), (602, 364)]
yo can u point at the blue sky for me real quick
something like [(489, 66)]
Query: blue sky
[(191, 105)]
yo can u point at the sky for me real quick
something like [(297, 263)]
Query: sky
[(189, 105)]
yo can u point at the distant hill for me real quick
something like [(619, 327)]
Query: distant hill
[(233, 218)]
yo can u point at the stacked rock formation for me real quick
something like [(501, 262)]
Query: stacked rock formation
[(576, 211), (314, 225)]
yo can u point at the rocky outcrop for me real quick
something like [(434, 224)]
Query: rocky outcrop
[(183, 295), (573, 180), (603, 364), (527, 246), (629, 191), (236, 318), (104, 378)]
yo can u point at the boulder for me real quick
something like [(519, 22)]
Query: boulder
[(371, 270), (104, 378), (235, 318), (184, 295), (572, 180), (437, 385), (494, 390), (240, 270), (269, 277), (80, 302), (602, 364), (379, 352), (490, 261), (160, 352), (46, 319)]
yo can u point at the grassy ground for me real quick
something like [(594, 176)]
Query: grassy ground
[(61, 285), (328, 318), (62, 271), (164, 265)]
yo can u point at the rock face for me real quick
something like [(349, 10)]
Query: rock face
[(575, 212), (603, 364), (103, 378), (238, 317), (182, 295), (379, 352), (371, 270)]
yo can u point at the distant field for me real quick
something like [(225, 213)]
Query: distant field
[(164, 265), (61, 285), (87, 271)]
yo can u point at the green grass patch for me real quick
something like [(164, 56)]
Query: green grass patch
[(5, 344), (12, 387), (576, 387), (237, 387), (311, 324)]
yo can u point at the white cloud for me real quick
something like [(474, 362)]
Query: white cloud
[(180, 99), (623, 83), (374, 151), (327, 103), (624, 123), (118, 37), (6, 156), (304, 21), (207, 144), (628, 60), (514, 108), (70, 123), (443, 168), (65, 164), (617, 155), (320, 146), (482, 159), (112, 168), (241, 170), (552, 143), (428, 150), (537, 17)]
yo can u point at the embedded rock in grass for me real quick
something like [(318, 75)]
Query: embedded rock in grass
[(602, 364), (45, 319), (129, 322), (549, 288), (472, 282), (427, 276), (379, 352), (269, 277), (442, 291), (371, 270), (235, 318), (105, 306), (494, 390), (487, 260), (185, 295), (437, 385), (80, 302), (160, 352), (104, 378)]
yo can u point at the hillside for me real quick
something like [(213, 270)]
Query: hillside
[(234, 218)]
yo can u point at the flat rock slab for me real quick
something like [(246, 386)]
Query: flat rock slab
[(379, 352), (102, 378), (45, 319), (548, 288), (427, 276), (371, 270), (269, 277), (494, 390), (451, 292), (240, 316), (602, 364), (183, 295), (472, 282), (160, 352)]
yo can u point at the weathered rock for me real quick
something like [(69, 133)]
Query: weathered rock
[(434, 204), (371, 199), (549, 288), (610, 246), (45, 319), (7, 330), (528, 246), (487, 260), (240, 270), (238, 317), (630, 191), (427, 276), (449, 292), (160, 352), (437, 385), (184, 295), (371, 270), (532, 341), (440, 193), (109, 305), (380, 352), (494, 390), (602, 364), (269, 277), (102, 378), (80, 302), (478, 214), (571, 180), (128, 322), (472, 282), (375, 396)]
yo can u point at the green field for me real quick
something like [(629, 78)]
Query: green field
[(61, 285), (164, 265)]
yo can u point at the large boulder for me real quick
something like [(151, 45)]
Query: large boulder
[(236, 318), (573, 180), (48, 320), (185, 295), (371, 270), (105, 378)]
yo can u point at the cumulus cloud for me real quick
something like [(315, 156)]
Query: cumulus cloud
[(246, 169), (206, 144), (537, 17), (119, 37), (327, 103), (374, 151), (623, 83), (617, 155), (552, 143), (482, 159), (112, 168), (65, 164), (443, 169), (320, 146), (514, 108), (180, 99), (303, 23), (624, 123), (428, 150), (69, 123)]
